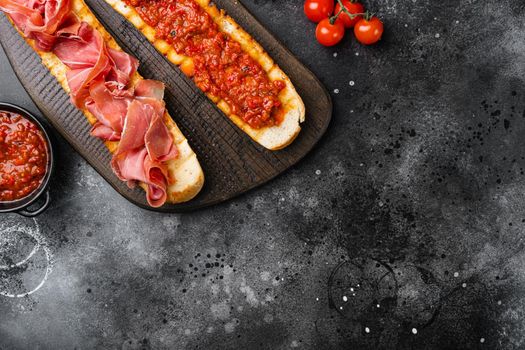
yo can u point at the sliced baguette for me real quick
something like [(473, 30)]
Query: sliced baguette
[(185, 169), (273, 138)]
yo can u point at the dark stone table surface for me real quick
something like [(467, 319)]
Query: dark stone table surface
[(403, 229)]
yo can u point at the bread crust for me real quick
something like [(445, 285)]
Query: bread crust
[(185, 169), (272, 137)]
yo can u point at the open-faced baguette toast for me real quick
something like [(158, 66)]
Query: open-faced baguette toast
[(272, 137), (185, 169)]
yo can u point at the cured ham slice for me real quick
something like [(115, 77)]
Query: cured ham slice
[(38, 19), (123, 66), (109, 107), (146, 142), (137, 166), (84, 52), (138, 120), (156, 141), (152, 92), (104, 132), (99, 81), (150, 89)]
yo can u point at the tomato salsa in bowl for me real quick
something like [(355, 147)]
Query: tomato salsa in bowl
[(26, 161)]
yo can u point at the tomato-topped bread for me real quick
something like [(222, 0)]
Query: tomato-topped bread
[(126, 111), (225, 62)]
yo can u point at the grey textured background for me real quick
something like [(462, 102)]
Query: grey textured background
[(403, 229)]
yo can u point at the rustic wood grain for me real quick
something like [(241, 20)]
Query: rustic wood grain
[(232, 162)]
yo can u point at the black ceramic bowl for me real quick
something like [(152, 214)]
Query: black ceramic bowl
[(21, 206)]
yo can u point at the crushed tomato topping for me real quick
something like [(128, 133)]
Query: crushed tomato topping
[(23, 157), (221, 67)]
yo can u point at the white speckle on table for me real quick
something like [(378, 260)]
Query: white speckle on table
[(482, 340), (229, 327), (318, 172), (268, 318), (357, 53), (335, 54), (456, 274), (265, 275), (367, 330), (499, 302), (351, 83), (250, 294), (414, 330), (336, 91), (437, 35), (464, 285), (220, 310)]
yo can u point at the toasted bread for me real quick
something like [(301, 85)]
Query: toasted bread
[(185, 169), (272, 137)]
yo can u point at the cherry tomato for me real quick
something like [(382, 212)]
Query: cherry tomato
[(329, 34), (368, 32), (316, 10), (352, 7)]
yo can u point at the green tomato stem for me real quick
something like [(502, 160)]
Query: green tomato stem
[(334, 18), (343, 9), (368, 15)]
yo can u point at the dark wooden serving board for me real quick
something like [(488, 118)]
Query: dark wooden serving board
[(231, 161)]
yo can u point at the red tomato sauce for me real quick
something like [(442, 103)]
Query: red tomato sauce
[(23, 156), (221, 67)]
